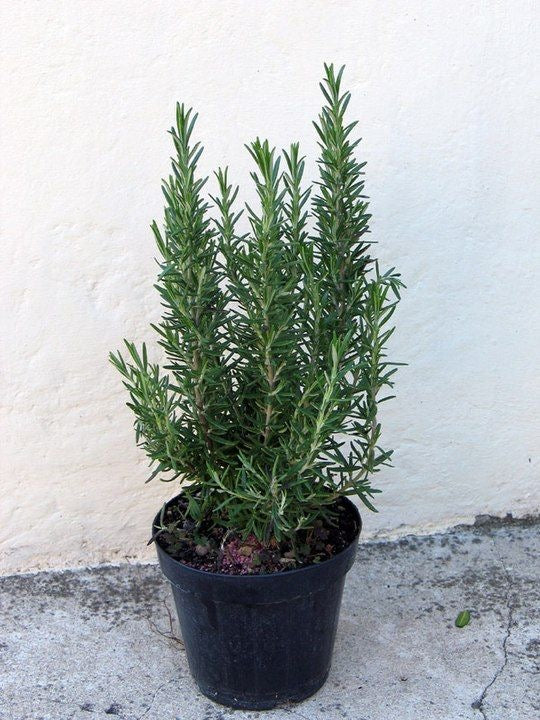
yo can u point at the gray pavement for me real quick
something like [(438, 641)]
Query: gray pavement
[(98, 643)]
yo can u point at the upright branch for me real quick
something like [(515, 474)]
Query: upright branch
[(340, 210), (355, 295)]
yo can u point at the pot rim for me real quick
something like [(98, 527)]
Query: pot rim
[(259, 576)]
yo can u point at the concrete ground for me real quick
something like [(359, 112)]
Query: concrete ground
[(98, 643)]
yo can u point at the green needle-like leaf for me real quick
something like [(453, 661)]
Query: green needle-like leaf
[(463, 619)]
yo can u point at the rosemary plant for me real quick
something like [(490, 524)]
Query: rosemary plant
[(267, 406)]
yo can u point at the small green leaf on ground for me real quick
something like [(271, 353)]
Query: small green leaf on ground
[(463, 618)]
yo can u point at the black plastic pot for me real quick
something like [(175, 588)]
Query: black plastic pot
[(258, 641)]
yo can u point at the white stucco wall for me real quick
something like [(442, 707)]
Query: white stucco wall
[(444, 93)]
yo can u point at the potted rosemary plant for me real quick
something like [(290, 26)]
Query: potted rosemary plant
[(266, 409)]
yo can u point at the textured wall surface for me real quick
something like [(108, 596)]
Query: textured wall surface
[(444, 93)]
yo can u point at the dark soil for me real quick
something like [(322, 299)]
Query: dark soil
[(211, 548)]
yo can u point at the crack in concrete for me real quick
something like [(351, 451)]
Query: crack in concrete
[(157, 691), (296, 713), (479, 704)]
